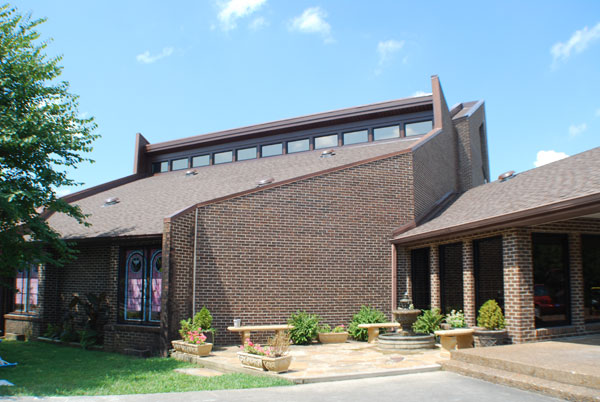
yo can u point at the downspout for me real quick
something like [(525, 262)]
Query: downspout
[(394, 278), (194, 265)]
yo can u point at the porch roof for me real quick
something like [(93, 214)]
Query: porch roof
[(560, 190)]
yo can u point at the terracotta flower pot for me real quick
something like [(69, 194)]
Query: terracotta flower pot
[(333, 337), (192, 349), (277, 364)]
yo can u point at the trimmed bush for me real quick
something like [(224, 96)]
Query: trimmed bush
[(366, 315), (490, 316)]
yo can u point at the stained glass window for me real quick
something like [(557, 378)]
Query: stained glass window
[(142, 284), (26, 296)]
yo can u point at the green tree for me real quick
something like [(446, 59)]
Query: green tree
[(41, 137)]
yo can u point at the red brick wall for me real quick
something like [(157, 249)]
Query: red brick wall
[(320, 245)]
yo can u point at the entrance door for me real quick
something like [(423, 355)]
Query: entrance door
[(551, 280)]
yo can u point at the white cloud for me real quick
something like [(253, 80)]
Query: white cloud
[(147, 59), (258, 23), (385, 50), (577, 43), (421, 93), (312, 21), (233, 10), (545, 157), (575, 130)]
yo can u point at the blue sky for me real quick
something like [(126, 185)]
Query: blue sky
[(176, 69)]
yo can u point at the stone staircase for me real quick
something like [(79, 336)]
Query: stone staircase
[(544, 376)]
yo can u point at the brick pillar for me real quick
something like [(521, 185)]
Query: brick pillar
[(469, 283), (434, 272), (518, 285), (403, 282), (577, 286)]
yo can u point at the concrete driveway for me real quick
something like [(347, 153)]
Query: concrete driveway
[(436, 386)]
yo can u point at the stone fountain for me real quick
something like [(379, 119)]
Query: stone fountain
[(405, 338)]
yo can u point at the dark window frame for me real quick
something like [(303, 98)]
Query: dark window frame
[(337, 140), (442, 273), (27, 309), (214, 159), (358, 130), (172, 169), (413, 277), (399, 124), (199, 156), (287, 150), (477, 270), (584, 239)]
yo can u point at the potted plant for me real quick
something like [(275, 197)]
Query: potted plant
[(251, 355), (272, 358), (337, 335), (490, 325), (455, 319), (277, 358), (193, 333)]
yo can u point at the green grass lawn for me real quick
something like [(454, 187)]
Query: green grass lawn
[(46, 369)]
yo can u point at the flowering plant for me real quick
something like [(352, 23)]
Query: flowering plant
[(255, 349), (339, 328), (456, 319), (195, 337)]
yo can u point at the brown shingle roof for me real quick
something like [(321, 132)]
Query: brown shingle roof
[(145, 202), (564, 182)]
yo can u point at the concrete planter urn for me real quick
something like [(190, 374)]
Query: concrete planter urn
[(192, 349), (486, 337), (277, 364), (251, 361), (333, 337)]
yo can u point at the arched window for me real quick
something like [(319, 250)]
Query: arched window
[(140, 285)]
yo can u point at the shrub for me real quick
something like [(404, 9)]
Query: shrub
[(202, 321), (366, 315), (456, 319), (305, 327), (324, 328), (428, 322), (490, 316), (53, 331)]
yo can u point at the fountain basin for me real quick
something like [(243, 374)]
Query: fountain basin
[(395, 341)]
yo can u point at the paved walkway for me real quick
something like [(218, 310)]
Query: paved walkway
[(333, 362), (430, 387)]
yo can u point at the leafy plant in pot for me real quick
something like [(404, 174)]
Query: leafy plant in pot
[(193, 333), (305, 327), (490, 325)]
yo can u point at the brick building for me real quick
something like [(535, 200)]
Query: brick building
[(258, 222)]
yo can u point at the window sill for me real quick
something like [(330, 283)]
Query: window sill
[(18, 316), (132, 328)]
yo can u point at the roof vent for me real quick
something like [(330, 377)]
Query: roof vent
[(327, 153), (192, 172), (111, 201), (507, 175), (264, 182)]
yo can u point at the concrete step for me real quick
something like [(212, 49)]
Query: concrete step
[(523, 381), (540, 370)]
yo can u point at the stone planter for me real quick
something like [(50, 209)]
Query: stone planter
[(487, 337), (192, 349), (277, 364), (251, 361), (333, 337)]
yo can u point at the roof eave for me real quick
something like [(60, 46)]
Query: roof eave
[(562, 210)]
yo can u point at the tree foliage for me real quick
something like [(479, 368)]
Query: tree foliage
[(41, 136)]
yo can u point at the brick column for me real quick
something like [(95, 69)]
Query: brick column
[(518, 285), (577, 286), (469, 283), (434, 272), (403, 279)]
